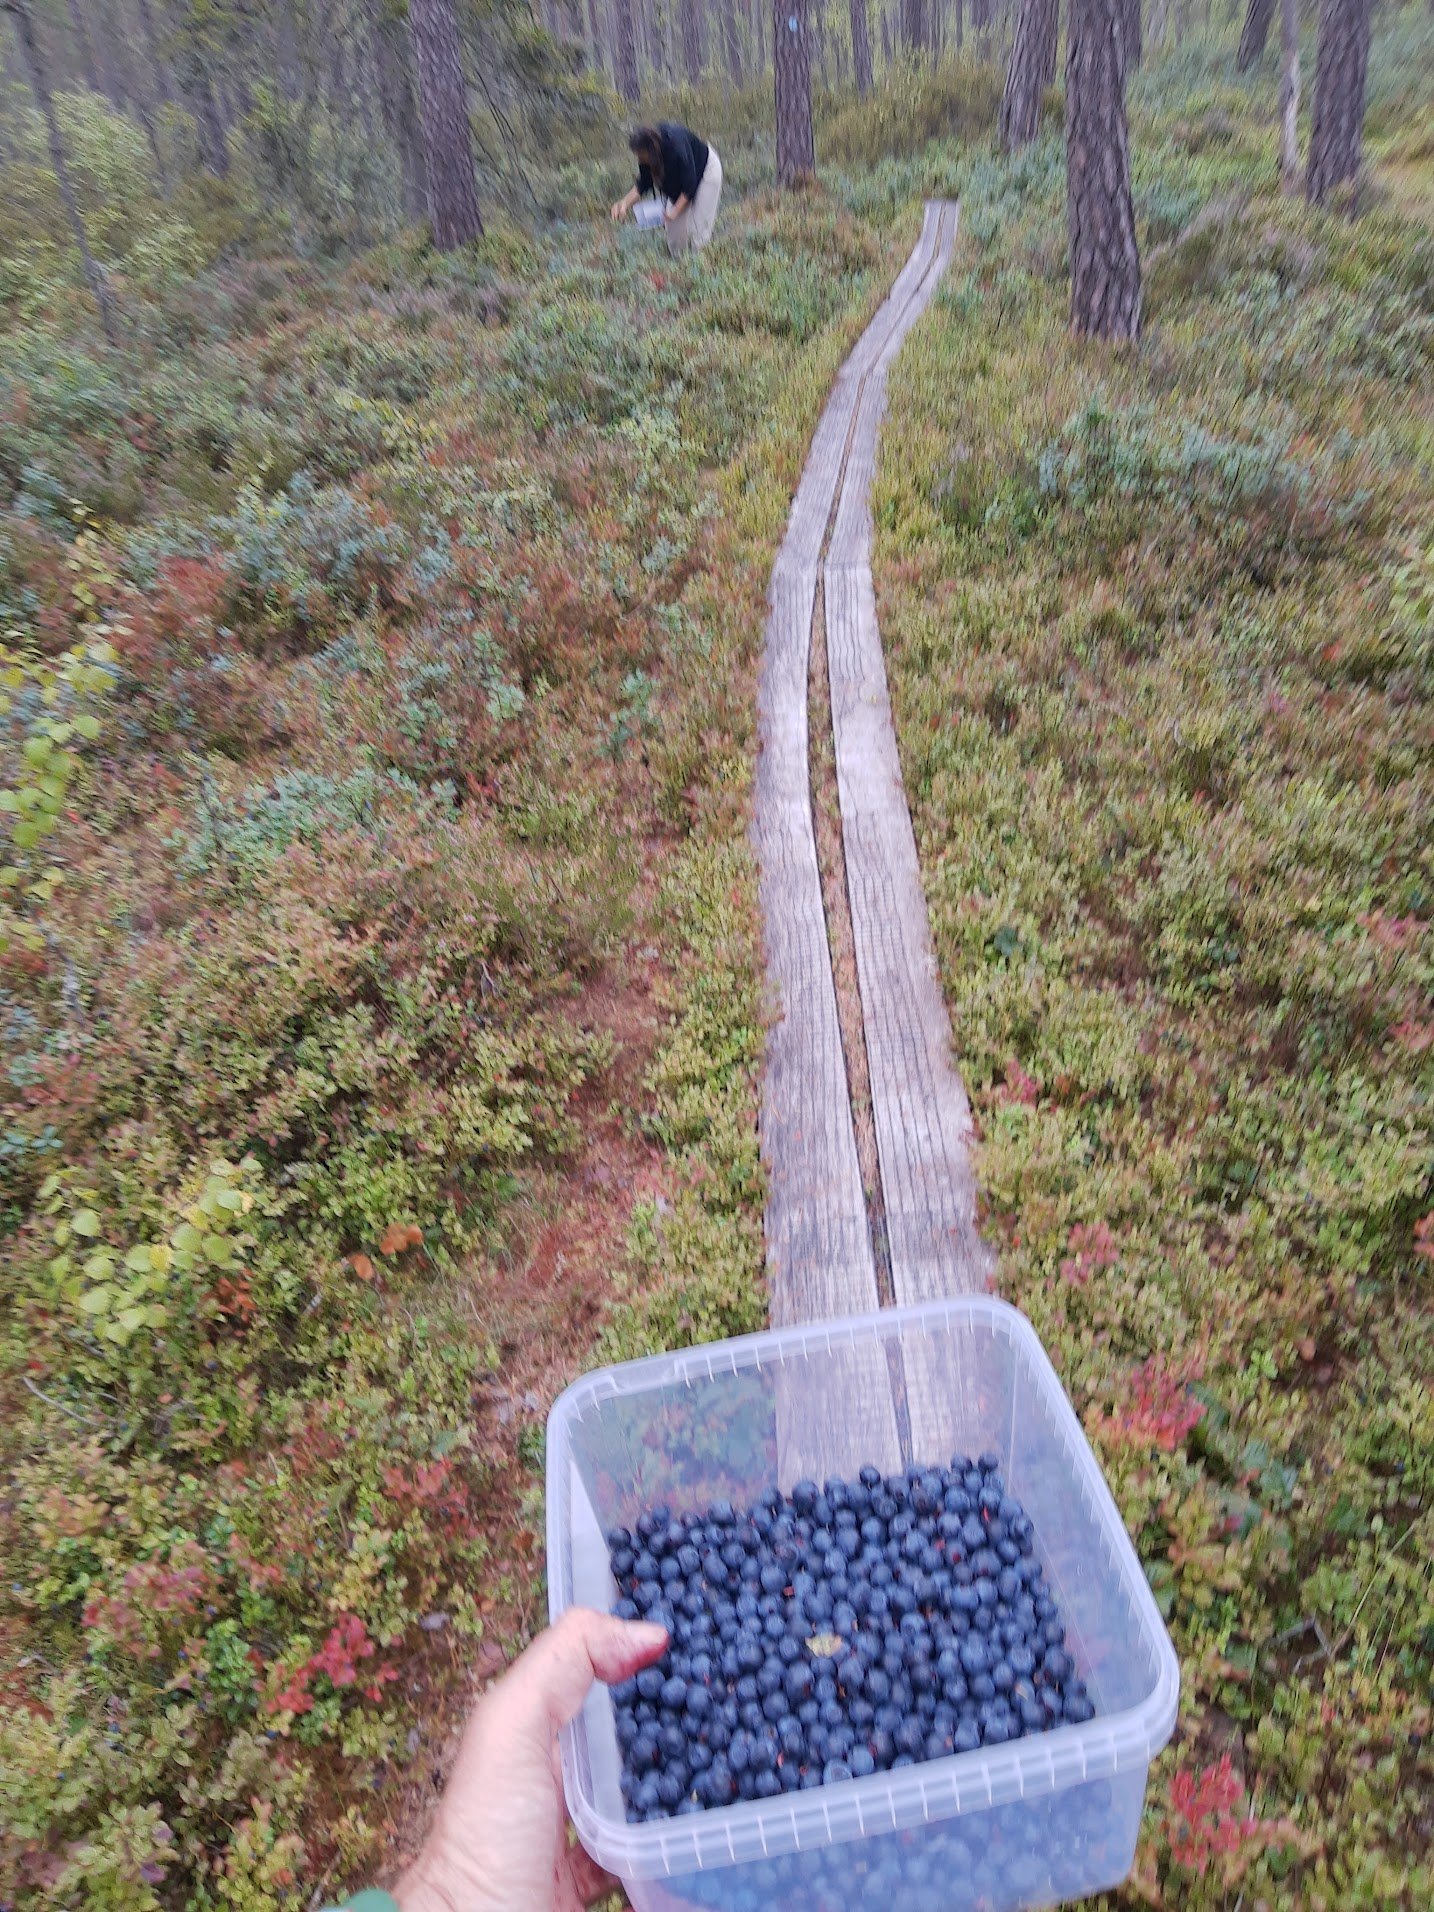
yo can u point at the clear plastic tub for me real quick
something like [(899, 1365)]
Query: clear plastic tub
[(1045, 1818), (649, 214)]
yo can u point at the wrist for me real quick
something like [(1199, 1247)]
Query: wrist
[(432, 1884)]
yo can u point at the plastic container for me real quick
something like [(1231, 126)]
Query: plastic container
[(649, 214), (1045, 1818)]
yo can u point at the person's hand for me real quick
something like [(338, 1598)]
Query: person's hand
[(619, 211), (500, 1840)]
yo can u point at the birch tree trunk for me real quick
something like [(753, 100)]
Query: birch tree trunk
[(32, 59)]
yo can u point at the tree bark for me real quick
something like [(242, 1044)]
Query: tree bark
[(159, 72), (624, 51), (691, 23), (732, 43), (453, 211), (796, 145), (1032, 68), (396, 104), (1134, 45), (84, 52), (32, 59), (860, 48), (1337, 122), (913, 25), (1254, 33), (1290, 95), (1105, 259)]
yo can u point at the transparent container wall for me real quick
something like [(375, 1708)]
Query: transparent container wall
[(888, 1390), (1031, 1853)]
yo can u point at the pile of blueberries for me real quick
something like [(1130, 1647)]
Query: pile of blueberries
[(860, 1626)]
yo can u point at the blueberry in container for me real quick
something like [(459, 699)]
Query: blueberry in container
[(1044, 1818)]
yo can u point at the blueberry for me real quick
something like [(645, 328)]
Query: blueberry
[(861, 1762), (835, 1771)]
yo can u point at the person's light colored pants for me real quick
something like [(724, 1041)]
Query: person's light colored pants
[(693, 226)]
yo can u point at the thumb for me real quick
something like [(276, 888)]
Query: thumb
[(552, 1679)]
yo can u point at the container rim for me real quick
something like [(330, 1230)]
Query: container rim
[(935, 1790)]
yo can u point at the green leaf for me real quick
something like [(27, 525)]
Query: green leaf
[(139, 1258), (86, 1222), (97, 1301), (88, 725)]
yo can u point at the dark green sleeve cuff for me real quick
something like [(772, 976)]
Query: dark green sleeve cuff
[(369, 1900)]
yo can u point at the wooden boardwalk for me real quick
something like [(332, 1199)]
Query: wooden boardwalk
[(820, 1254)]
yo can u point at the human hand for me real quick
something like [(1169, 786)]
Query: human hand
[(619, 211), (499, 1842)]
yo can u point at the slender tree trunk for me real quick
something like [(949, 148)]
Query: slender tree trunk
[(1290, 95), (624, 51), (960, 8), (158, 71), (1254, 33), (443, 115), (691, 22), (1032, 68), (84, 52), (860, 48), (213, 147), (396, 103), (913, 25), (796, 146), (1105, 259), (732, 42), (819, 41), (1337, 122), (32, 59), (1133, 35)]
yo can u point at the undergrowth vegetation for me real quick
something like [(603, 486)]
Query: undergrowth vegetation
[(377, 639), (1161, 630)]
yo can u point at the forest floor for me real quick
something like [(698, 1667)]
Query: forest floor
[(387, 1053), (1160, 634), (390, 1047)]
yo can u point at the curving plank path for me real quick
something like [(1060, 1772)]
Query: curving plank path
[(819, 1232)]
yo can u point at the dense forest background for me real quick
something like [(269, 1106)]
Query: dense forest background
[(383, 549)]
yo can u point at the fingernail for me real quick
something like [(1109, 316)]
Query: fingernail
[(647, 1631)]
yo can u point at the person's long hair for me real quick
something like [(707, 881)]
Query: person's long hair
[(646, 144)]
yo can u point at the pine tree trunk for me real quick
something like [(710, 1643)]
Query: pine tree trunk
[(791, 57), (1032, 68), (1105, 259), (732, 43), (1337, 121), (84, 52), (1254, 33), (32, 59), (860, 48), (396, 104), (913, 25), (691, 21), (159, 72), (1290, 95), (443, 116), (1134, 39), (624, 51)]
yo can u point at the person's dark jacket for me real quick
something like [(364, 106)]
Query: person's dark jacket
[(684, 161)]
